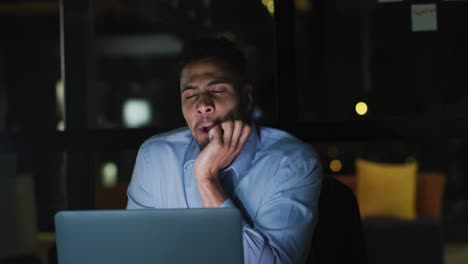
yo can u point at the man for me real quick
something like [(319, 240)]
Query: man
[(223, 160)]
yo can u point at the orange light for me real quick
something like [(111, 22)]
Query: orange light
[(335, 165)]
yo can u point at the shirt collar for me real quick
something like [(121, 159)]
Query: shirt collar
[(242, 161)]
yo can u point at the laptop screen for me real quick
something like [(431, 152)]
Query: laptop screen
[(150, 236)]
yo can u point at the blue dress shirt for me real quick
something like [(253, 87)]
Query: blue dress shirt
[(275, 182)]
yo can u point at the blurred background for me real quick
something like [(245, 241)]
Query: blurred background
[(84, 82)]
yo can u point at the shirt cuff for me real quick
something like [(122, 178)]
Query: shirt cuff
[(227, 204)]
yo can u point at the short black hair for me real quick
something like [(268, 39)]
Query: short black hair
[(219, 49)]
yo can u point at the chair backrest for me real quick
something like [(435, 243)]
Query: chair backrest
[(338, 236)]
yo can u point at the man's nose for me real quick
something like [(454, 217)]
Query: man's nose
[(205, 104)]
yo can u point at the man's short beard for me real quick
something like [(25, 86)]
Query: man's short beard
[(203, 144)]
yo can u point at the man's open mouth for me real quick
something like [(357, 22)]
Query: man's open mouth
[(205, 125), (205, 128)]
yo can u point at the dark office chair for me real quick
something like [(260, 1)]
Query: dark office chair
[(338, 236)]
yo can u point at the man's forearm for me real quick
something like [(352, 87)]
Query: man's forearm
[(211, 193)]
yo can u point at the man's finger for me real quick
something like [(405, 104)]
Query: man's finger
[(243, 138), (232, 154), (227, 127), (236, 134), (215, 134)]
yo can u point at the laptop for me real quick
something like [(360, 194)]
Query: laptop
[(149, 236)]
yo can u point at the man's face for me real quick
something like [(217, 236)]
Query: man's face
[(209, 96)]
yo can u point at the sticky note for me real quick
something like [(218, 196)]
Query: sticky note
[(424, 17)]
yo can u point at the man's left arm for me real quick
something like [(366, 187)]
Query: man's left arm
[(284, 223)]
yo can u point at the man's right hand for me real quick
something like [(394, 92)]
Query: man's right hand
[(226, 141)]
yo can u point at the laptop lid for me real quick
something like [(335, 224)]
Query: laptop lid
[(149, 236)]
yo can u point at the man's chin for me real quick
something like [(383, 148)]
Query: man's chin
[(202, 143)]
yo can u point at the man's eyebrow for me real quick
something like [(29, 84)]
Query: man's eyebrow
[(188, 87), (218, 81), (210, 83)]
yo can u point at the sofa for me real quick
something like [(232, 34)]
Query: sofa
[(395, 240)]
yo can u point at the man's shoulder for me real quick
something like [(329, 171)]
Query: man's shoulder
[(179, 136), (273, 139), (284, 145), (294, 162)]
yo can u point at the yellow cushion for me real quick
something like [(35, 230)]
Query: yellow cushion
[(386, 190)]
